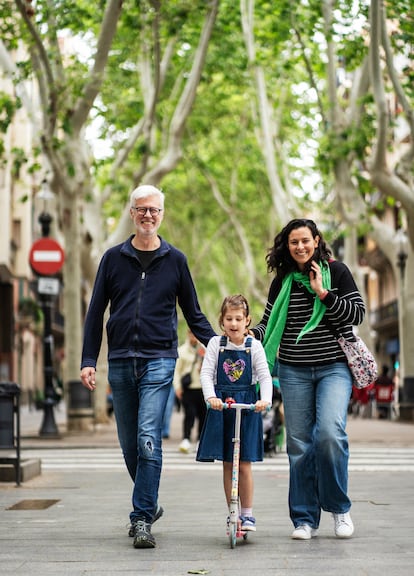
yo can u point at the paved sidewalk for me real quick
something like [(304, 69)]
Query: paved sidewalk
[(83, 531)]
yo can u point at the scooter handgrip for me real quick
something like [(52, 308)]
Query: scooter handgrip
[(225, 405)]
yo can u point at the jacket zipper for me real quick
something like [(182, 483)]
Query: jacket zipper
[(137, 315)]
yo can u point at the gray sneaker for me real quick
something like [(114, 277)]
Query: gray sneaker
[(143, 537), (158, 513), (157, 516)]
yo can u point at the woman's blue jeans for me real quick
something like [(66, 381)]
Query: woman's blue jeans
[(140, 388), (315, 402)]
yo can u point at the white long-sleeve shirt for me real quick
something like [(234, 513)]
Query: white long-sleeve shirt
[(260, 369)]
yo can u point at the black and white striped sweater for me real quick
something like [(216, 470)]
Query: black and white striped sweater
[(344, 308)]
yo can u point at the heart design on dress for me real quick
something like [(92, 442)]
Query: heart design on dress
[(234, 370)]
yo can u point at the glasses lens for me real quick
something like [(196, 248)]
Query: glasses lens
[(142, 211)]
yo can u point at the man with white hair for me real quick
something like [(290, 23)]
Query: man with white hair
[(142, 279)]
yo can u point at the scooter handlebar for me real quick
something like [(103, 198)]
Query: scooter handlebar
[(240, 405), (227, 405)]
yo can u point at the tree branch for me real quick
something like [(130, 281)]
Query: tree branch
[(12, 72), (284, 205), (43, 70), (92, 87), (248, 258), (394, 77), (379, 158), (186, 101), (401, 97)]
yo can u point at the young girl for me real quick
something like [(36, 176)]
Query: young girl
[(232, 366)]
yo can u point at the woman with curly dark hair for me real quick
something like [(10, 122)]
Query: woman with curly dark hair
[(311, 300)]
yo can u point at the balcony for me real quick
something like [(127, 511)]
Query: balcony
[(385, 317)]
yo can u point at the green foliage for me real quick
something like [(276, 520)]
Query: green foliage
[(351, 142), (222, 136), (9, 29), (402, 39), (30, 308), (19, 159), (8, 107)]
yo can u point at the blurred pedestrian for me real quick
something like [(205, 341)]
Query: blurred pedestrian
[(384, 393), (188, 389), (362, 401)]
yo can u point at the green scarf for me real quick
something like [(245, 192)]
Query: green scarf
[(277, 319)]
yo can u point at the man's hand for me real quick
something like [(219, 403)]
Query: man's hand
[(88, 377)]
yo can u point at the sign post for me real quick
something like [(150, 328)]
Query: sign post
[(46, 258)]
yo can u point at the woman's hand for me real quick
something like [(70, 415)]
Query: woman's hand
[(315, 278)]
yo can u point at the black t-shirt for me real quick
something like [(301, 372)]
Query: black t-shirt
[(146, 257)]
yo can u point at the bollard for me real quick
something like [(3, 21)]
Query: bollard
[(407, 400), (80, 407), (10, 424)]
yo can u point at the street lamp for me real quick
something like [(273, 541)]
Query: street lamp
[(46, 197), (401, 242), (48, 427)]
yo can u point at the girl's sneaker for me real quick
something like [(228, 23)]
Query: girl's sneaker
[(248, 523)]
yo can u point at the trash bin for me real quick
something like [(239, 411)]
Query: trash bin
[(80, 406), (406, 397), (408, 390), (10, 424)]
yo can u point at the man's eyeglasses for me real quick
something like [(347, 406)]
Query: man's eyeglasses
[(141, 210)]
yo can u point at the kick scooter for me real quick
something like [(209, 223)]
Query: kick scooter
[(234, 530)]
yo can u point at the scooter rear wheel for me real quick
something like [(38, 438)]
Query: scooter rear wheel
[(233, 534)]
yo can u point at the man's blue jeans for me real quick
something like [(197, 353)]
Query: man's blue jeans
[(140, 388), (168, 413), (315, 403)]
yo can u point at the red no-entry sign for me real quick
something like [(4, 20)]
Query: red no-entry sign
[(46, 256)]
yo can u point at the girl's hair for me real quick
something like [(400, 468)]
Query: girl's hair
[(235, 301), (279, 259)]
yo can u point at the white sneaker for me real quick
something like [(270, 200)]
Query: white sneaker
[(185, 446), (344, 527), (303, 532)]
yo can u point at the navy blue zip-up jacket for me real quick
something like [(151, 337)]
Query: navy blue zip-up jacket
[(143, 305)]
